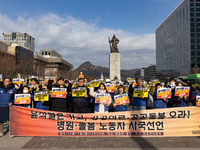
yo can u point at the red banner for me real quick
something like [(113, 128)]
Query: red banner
[(182, 121)]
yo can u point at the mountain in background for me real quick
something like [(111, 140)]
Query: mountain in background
[(89, 69)]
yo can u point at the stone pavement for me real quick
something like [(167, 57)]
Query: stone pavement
[(101, 143)]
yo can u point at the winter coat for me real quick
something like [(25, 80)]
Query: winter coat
[(158, 103), (81, 102), (121, 107), (137, 101), (57, 104), (6, 97), (100, 108)]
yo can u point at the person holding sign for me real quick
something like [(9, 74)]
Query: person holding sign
[(158, 103), (180, 101), (102, 98), (80, 97), (139, 101), (195, 96), (172, 84), (6, 100), (28, 103), (57, 103), (123, 100), (43, 103)]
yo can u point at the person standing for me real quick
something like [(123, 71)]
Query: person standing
[(158, 103), (80, 104), (100, 107), (139, 103), (57, 104), (122, 107), (6, 100)]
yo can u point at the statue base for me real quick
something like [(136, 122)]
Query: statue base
[(115, 66)]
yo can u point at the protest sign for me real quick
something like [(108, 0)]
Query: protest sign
[(87, 85), (17, 81), (22, 99), (102, 98), (95, 83), (1, 76), (31, 77), (170, 122), (121, 99), (126, 87), (75, 84), (110, 87), (79, 91), (41, 95), (58, 92), (140, 91), (182, 91), (163, 92), (129, 80), (198, 100)]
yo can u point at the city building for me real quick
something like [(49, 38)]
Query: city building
[(140, 73), (178, 40), (150, 72), (23, 59), (22, 39), (7, 61), (50, 63)]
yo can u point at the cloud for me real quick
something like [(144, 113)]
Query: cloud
[(79, 41)]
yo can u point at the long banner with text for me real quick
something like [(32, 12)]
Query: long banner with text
[(182, 121)]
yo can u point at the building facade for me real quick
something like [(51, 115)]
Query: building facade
[(22, 39), (178, 40), (150, 72), (140, 74), (50, 63)]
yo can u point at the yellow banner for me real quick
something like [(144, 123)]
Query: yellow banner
[(138, 92)]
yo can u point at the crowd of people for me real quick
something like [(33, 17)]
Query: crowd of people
[(86, 103)]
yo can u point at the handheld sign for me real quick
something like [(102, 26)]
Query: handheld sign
[(198, 100), (87, 85), (102, 98), (31, 77), (46, 79), (75, 84), (129, 80), (79, 91), (163, 92), (41, 95), (121, 99), (182, 91), (140, 91), (95, 82), (126, 87), (58, 92), (17, 81), (22, 99), (110, 87)]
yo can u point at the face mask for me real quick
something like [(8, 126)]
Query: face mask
[(25, 91)]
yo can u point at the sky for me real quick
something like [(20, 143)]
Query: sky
[(79, 29)]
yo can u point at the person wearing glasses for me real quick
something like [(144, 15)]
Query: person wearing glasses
[(80, 103)]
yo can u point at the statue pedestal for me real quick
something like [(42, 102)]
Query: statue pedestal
[(115, 66)]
